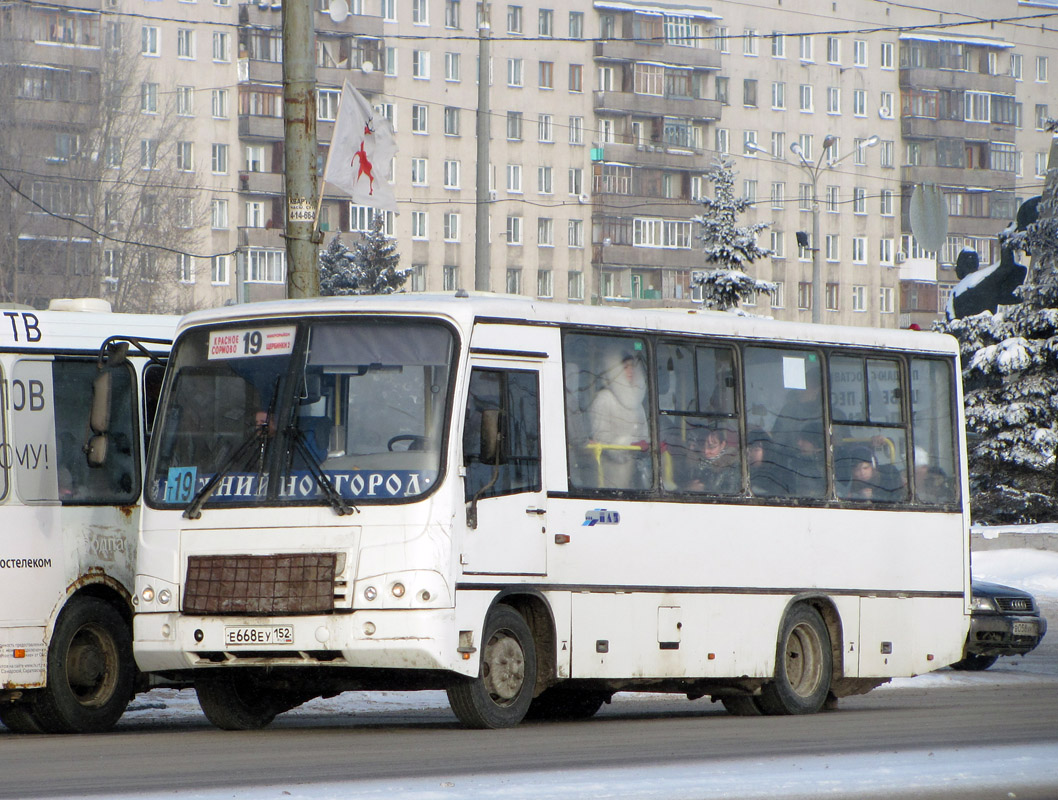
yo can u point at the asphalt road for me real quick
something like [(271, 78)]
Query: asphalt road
[(188, 754)]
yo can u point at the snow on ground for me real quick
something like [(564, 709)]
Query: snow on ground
[(898, 775)]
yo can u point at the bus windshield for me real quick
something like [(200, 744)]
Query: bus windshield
[(313, 411)]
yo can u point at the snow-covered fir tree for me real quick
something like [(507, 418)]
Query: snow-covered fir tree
[(728, 248), (369, 268), (1010, 382)]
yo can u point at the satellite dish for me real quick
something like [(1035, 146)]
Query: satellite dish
[(367, 67), (339, 10), (929, 217)]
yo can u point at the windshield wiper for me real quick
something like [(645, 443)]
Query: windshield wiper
[(258, 437), (326, 486)]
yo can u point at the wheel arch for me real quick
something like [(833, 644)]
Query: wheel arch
[(101, 587), (828, 610), (539, 616)]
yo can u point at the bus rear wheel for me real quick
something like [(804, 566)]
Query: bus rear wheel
[(500, 695), (742, 705), (803, 665), (91, 673), (234, 701)]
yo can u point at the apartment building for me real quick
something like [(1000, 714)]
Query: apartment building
[(604, 119)]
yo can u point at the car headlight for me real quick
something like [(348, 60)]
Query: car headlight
[(982, 604)]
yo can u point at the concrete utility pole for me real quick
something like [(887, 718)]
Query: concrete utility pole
[(299, 118), (482, 267)]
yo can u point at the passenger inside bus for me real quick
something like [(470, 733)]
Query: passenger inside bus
[(712, 465), (767, 478), (807, 463), (619, 421)]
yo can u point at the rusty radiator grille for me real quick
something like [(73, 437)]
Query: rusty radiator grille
[(294, 583)]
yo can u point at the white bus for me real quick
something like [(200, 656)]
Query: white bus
[(72, 427), (534, 505)]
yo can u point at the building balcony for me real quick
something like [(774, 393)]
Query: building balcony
[(251, 70), (958, 176), (655, 154), (923, 78), (253, 127), (929, 128), (653, 106), (368, 83), (619, 256), (270, 237), (633, 50), (264, 183)]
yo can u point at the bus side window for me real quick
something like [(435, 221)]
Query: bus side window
[(936, 477), (511, 399)]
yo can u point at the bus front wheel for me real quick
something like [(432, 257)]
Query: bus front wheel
[(803, 665), (91, 672), (500, 695), (233, 701)]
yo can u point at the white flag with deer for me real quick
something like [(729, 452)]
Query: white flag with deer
[(361, 156)]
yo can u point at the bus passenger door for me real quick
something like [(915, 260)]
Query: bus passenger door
[(503, 488)]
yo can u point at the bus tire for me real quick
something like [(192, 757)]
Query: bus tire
[(500, 695), (91, 673), (803, 665), (742, 705), (18, 718), (561, 703), (233, 701)]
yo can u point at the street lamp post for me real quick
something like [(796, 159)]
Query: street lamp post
[(813, 169)]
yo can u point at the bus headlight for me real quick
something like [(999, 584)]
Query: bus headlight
[(398, 590), (370, 593), (147, 594), (164, 596)]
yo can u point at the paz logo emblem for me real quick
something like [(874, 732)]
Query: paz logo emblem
[(601, 516)]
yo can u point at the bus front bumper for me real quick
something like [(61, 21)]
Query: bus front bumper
[(386, 639)]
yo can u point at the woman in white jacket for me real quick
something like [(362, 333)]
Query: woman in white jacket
[(619, 421)]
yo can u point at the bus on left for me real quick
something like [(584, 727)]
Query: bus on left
[(78, 386)]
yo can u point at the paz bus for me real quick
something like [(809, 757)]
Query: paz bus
[(78, 386), (533, 506)]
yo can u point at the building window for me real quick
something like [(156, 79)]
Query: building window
[(418, 172), (886, 202), (749, 93), (221, 46), (833, 100), (514, 19), (859, 53), (185, 101), (859, 298), (452, 14), (576, 78), (749, 42), (514, 72), (514, 178), (419, 118), (219, 103), (576, 233), (778, 44), (576, 130), (859, 200), (451, 121), (219, 159), (420, 12), (547, 74), (859, 249), (545, 25), (575, 285), (885, 252), (265, 266), (514, 126), (576, 24), (545, 286), (806, 98), (545, 129), (833, 252), (804, 197), (778, 95), (219, 214), (451, 226), (576, 181), (149, 38), (885, 300), (514, 230), (1041, 69), (887, 55), (419, 227), (807, 51), (254, 214), (420, 64), (218, 270), (833, 50), (545, 232), (778, 194), (149, 98), (778, 297), (185, 43), (778, 245), (887, 152), (859, 102), (417, 278), (804, 295), (451, 174), (148, 154), (452, 67), (544, 180), (514, 281), (450, 277), (185, 156), (833, 293), (327, 104), (721, 90)]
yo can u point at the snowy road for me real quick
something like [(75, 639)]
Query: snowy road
[(948, 734)]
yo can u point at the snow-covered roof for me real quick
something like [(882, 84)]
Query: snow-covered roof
[(926, 36), (657, 9)]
